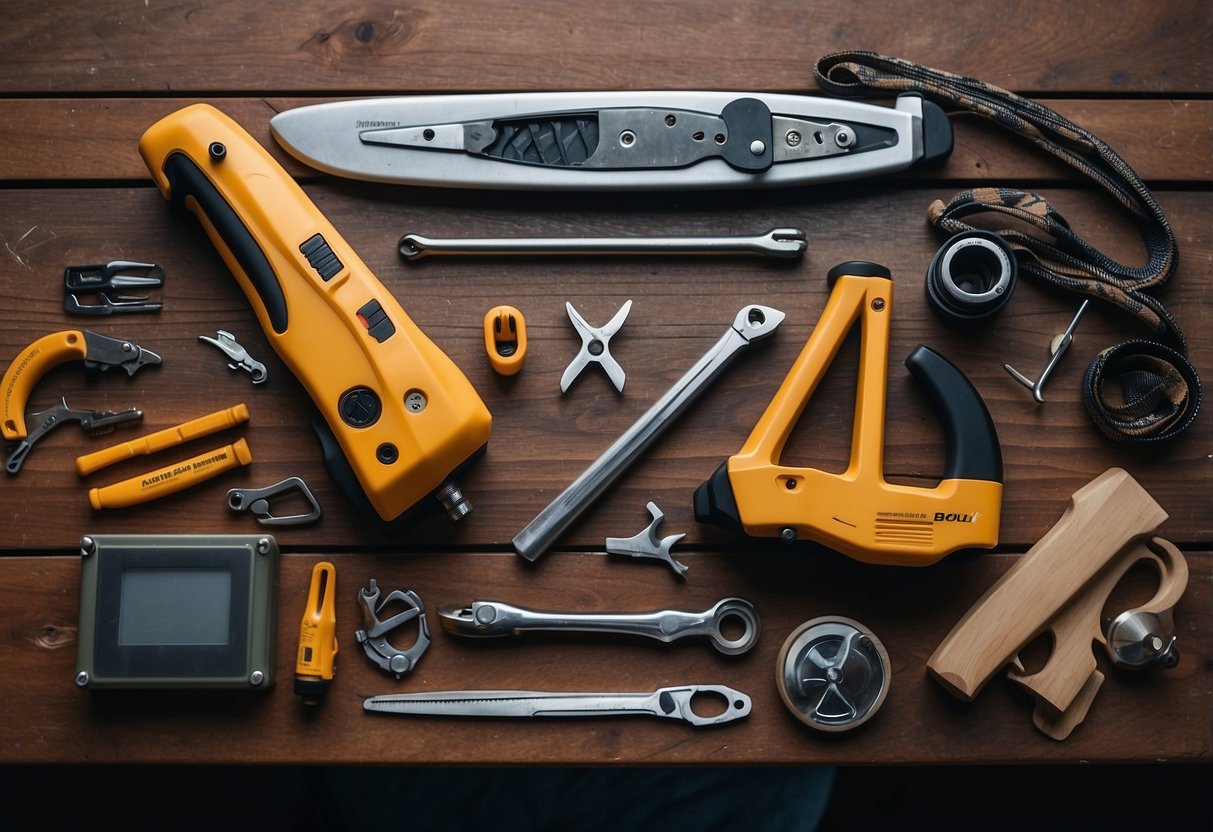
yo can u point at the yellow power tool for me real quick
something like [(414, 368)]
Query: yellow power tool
[(857, 512), (397, 419)]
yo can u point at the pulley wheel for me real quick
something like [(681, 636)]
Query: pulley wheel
[(832, 673)]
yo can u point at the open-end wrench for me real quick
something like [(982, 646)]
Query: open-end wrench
[(783, 243), (668, 703), (497, 618), (753, 323)]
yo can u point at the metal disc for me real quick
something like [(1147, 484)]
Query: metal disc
[(832, 673)]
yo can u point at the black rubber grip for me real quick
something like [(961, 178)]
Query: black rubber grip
[(186, 179), (971, 442)]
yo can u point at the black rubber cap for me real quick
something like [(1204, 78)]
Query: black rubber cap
[(857, 268)]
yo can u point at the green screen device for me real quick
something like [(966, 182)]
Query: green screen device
[(177, 611)]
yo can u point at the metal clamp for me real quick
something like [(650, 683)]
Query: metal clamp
[(257, 501), (374, 637)]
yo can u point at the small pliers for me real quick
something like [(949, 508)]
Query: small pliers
[(595, 347)]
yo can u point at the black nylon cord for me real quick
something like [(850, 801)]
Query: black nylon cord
[(1160, 387)]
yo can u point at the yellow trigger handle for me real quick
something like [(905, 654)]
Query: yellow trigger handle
[(315, 663)]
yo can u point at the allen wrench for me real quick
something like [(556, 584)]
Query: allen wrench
[(1057, 348)]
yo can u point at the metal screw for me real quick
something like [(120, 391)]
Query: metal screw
[(787, 535), (627, 138), (87, 546), (415, 401), (844, 138), (793, 138), (878, 304), (256, 677), (82, 679), (758, 147), (263, 546)]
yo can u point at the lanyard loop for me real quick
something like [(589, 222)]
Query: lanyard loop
[(1160, 389)]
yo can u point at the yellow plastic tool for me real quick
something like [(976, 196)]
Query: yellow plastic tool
[(505, 339), (857, 512), (98, 352), (317, 658), (163, 439), (397, 418), (172, 478)]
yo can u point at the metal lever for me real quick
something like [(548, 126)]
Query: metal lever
[(238, 355), (753, 323), (496, 618), (257, 501), (668, 703), (781, 243), (1057, 348)]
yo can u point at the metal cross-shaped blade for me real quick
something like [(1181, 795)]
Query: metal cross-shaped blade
[(595, 347)]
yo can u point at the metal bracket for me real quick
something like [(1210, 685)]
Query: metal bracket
[(374, 638), (646, 544)]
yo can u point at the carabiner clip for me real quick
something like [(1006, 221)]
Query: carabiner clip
[(257, 501)]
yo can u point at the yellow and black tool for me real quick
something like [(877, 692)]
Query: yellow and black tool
[(857, 512), (397, 419), (316, 661)]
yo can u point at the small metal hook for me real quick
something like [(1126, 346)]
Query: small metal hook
[(1057, 348), (257, 501)]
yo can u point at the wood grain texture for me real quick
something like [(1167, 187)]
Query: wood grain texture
[(910, 611), (95, 139), (542, 440), (81, 82), (185, 47)]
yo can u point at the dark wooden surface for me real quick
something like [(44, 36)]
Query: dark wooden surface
[(81, 84)]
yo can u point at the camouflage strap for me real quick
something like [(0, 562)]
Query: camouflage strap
[(1159, 389)]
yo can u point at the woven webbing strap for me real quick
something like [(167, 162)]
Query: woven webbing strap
[(1159, 391)]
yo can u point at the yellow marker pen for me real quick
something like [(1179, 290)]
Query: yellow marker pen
[(172, 478)]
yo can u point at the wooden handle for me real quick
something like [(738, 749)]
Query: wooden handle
[(1102, 519)]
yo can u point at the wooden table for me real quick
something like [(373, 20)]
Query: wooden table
[(82, 81)]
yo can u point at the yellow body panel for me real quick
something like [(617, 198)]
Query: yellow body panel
[(325, 342), (317, 656), (856, 512)]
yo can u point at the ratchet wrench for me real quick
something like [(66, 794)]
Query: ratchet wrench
[(781, 243), (496, 618), (753, 323), (667, 703)]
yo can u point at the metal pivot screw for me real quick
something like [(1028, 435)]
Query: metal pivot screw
[(793, 138), (627, 138), (758, 147), (844, 138)]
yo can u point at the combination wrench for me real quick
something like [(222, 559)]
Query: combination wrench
[(496, 619), (753, 323), (781, 243)]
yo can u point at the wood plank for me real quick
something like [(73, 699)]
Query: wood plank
[(286, 46), (910, 611), (541, 439), (83, 139)]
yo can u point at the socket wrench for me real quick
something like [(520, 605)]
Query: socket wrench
[(753, 323), (496, 618)]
